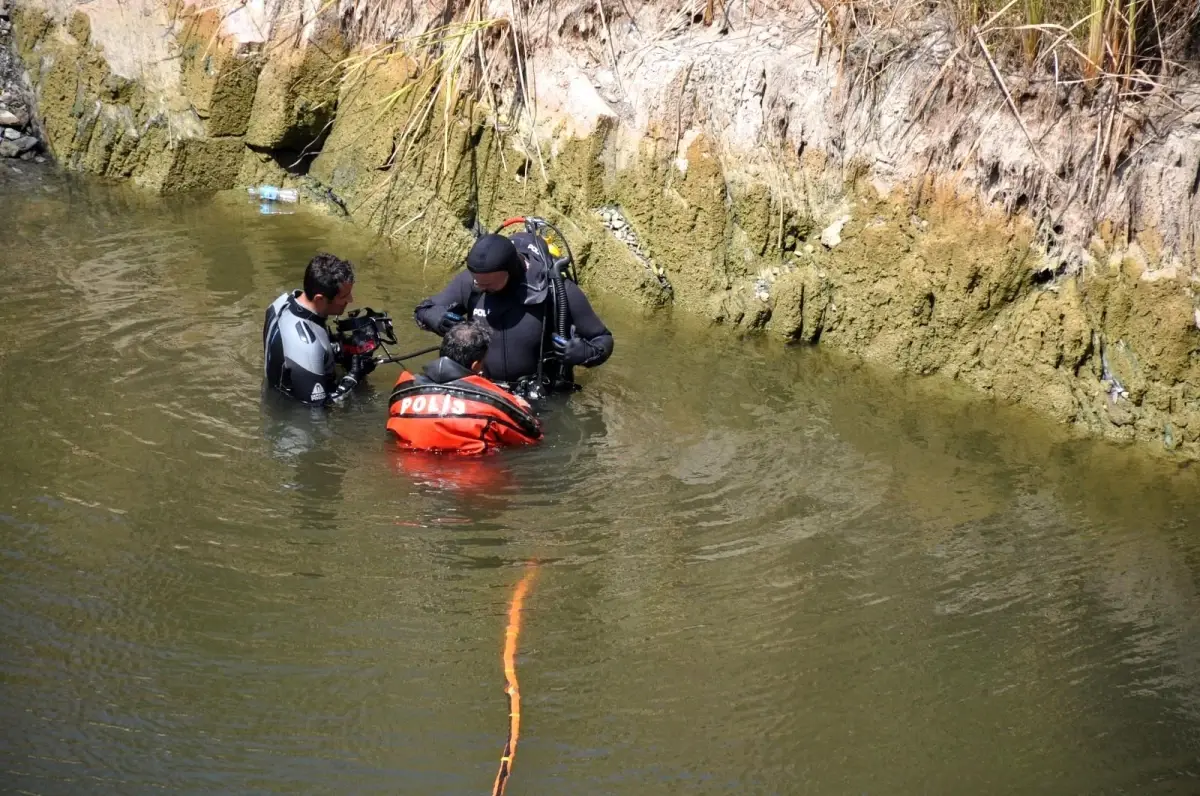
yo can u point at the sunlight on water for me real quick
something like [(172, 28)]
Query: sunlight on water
[(761, 570)]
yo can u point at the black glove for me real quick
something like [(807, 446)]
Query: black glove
[(361, 365), (575, 351), (344, 387), (448, 320)]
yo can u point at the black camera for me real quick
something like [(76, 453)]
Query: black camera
[(361, 332)]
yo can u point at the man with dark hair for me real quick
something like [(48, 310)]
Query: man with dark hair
[(298, 355), (508, 285), (451, 408), (466, 345)]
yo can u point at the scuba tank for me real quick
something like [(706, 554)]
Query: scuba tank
[(559, 262)]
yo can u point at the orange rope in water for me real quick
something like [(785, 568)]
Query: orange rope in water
[(510, 675)]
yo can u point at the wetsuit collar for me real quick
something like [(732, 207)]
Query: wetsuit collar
[(300, 311), (444, 370)]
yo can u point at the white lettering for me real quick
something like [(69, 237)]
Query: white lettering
[(479, 312), (405, 403), (419, 404), (458, 407)]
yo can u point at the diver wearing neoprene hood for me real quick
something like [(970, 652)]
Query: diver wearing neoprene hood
[(515, 287)]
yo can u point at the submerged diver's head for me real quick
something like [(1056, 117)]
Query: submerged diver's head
[(493, 262), (467, 344), (328, 285)]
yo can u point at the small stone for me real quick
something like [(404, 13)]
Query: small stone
[(26, 143), (8, 149), (809, 248), (10, 119), (1120, 413), (832, 235), (27, 156), (1170, 442), (618, 223), (39, 159), (11, 133)]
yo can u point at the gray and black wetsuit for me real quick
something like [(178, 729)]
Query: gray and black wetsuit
[(298, 355)]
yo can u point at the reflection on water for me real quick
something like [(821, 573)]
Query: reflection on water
[(762, 570)]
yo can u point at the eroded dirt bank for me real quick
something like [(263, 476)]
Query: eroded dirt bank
[(894, 199)]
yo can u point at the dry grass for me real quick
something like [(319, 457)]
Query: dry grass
[(467, 64), (1138, 42)]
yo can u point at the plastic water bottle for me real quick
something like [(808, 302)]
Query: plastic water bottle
[(272, 209), (270, 193)]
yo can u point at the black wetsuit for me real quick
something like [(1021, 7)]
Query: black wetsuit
[(515, 316)]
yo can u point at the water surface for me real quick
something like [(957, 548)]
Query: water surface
[(759, 570)]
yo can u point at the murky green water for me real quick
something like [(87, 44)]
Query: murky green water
[(760, 571)]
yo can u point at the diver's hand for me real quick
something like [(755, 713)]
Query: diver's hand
[(344, 388), (575, 351), (362, 364), (436, 318), (448, 320)]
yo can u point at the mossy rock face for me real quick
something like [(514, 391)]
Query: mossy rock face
[(80, 28), (219, 81), (30, 26), (579, 171), (296, 96), (203, 164), (69, 88), (800, 300), (98, 122), (260, 168), (1149, 346), (681, 214), (111, 139), (370, 114)]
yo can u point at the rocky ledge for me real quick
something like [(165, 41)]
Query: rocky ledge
[(19, 137)]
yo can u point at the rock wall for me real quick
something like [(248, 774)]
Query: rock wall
[(885, 200), (18, 131), (167, 97)]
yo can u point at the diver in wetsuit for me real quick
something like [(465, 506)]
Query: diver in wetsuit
[(298, 355), (512, 295)]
